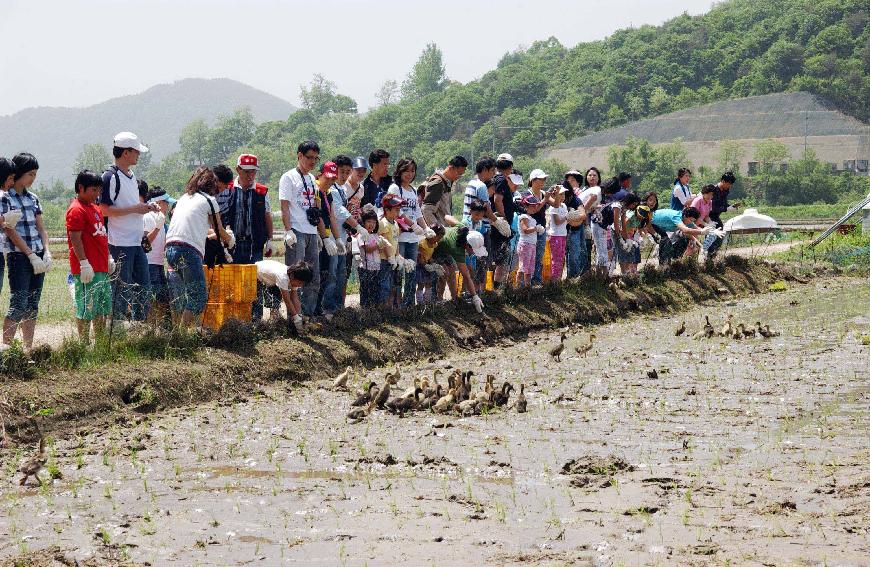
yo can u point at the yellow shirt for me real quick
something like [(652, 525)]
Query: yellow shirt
[(390, 231), (425, 251)]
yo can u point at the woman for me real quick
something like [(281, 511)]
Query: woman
[(681, 196), (194, 215), (593, 203), (414, 227), (576, 244)]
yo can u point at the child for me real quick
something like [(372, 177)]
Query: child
[(457, 244), (27, 253), (474, 221), (155, 230), (89, 256), (388, 228), (284, 281), (528, 241), (428, 271), (557, 232), (625, 224), (369, 260), (7, 179)]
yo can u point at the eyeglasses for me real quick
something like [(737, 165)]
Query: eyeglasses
[(314, 158)]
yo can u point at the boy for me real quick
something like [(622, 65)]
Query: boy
[(457, 244), (155, 226), (428, 271), (280, 279), (390, 259), (89, 256)]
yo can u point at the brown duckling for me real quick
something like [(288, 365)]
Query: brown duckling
[(768, 333), (361, 413), (556, 351), (431, 399), (486, 394), (583, 350), (405, 403), (500, 397), (680, 330), (445, 402), (737, 333), (468, 407), (383, 395), (409, 392), (521, 399), (728, 327), (365, 396), (34, 464)]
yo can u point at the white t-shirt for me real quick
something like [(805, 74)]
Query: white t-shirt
[(301, 193), (533, 237), (270, 273), (590, 192), (554, 229), (158, 247), (125, 230), (410, 210), (189, 223)]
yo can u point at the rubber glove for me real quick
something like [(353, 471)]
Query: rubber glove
[(330, 246), (111, 265), (289, 239), (418, 230), (267, 249), (429, 233), (231, 242), (541, 229), (361, 231), (478, 303), (708, 229), (36, 262), (12, 217), (502, 226), (87, 274), (47, 258), (341, 247)]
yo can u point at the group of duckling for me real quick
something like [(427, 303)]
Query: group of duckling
[(459, 397), (581, 349), (729, 330)]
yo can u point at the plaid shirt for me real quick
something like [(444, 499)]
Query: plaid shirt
[(239, 224), (28, 203)]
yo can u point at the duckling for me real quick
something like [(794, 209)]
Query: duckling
[(365, 396), (556, 351), (409, 392), (34, 464), (360, 413), (680, 330), (749, 333), (383, 395), (395, 376), (583, 350), (727, 328), (405, 403), (768, 333), (446, 402), (486, 394), (431, 399), (341, 380), (521, 400), (468, 407), (500, 398), (424, 385), (706, 331), (737, 333), (463, 392)]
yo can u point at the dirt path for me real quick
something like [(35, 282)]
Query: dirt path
[(751, 453)]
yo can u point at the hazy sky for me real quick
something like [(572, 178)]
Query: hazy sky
[(80, 52)]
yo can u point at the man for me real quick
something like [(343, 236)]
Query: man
[(378, 181), (124, 211), (478, 190), (720, 198), (303, 220), (437, 201), (330, 228), (682, 232), (503, 205), (245, 208)]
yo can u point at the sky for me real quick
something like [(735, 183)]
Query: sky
[(82, 52)]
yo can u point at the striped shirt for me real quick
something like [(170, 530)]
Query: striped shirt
[(28, 204)]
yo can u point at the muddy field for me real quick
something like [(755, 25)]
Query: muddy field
[(751, 452)]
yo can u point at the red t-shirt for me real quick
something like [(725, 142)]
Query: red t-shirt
[(88, 219)]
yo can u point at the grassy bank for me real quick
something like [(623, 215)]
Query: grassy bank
[(233, 363)]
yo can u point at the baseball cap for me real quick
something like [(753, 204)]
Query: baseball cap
[(505, 157), (516, 178), (530, 200), (475, 240), (129, 140), (537, 174), (329, 170), (563, 189), (360, 162), (248, 161), (391, 200)]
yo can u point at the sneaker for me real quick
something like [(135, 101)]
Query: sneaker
[(328, 316)]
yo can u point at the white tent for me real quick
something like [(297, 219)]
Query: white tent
[(751, 221)]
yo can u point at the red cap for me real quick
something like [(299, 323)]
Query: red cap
[(248, 161), (392, 200), (329, 170)]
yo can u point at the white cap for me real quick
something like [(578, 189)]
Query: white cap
[(563, 189), (129, 140), (505, 157), (516, 178), (475, 240), (537, 174)]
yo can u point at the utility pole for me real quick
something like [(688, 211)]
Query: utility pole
[(806, 129)]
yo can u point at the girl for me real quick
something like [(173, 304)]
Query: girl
[(26, 248), (195, 213), (623, 242), (591, 199), (528, 241), (369, 260), (391, 261), (557, 233), (7, 179), (406, 171), (428, 271), (681, 196)]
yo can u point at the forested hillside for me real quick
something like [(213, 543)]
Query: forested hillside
[(548, 94)]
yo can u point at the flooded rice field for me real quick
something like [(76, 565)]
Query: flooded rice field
[(650, 449)]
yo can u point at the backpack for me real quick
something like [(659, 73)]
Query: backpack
[(114, 169), (604, 218)]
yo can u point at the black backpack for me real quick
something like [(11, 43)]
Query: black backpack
[(114, 169)]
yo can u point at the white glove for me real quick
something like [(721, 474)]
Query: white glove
[(319, 245), (111, 265), (541, 229), (297, 322), (340, 247), (439, 269), (430, 267), (418, 230), (87, 275), (331, 247), (383, 242), (267, 249), (731, 208), (289, 239), (361, 231), (393, 261), (719, 233), (429, 233), (503, 227), (12, 217), (400, 262), (410, 266), (47, 258), (39, 266), (232, 241), (478, 303), (708, 229), (161, 219)]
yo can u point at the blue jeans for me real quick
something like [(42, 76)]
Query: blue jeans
[(132, 289), (712, 243), (385, 282), (333, 288), (577, 259), (2, 269), (306, 249), (25, 288), (539, 259), (408, 251), (158, 283), (186, 279), (246, 253)]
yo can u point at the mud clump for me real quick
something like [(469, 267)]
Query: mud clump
[(588, 471)]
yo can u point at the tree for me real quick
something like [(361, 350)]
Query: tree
[(388, 93), (770, 154), (730, 156), (229, 133), (427, 76), (193, 142), (94, 157), (320, 98)]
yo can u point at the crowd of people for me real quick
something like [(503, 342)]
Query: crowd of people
[(138, 254)]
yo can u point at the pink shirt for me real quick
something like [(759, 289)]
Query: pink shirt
[(704, 207)]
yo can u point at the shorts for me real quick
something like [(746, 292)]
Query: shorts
[(443, 259), (526, 252), (424, 277), (93, 299)]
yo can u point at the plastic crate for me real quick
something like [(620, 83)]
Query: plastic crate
[(216, 314), (231, 283)]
